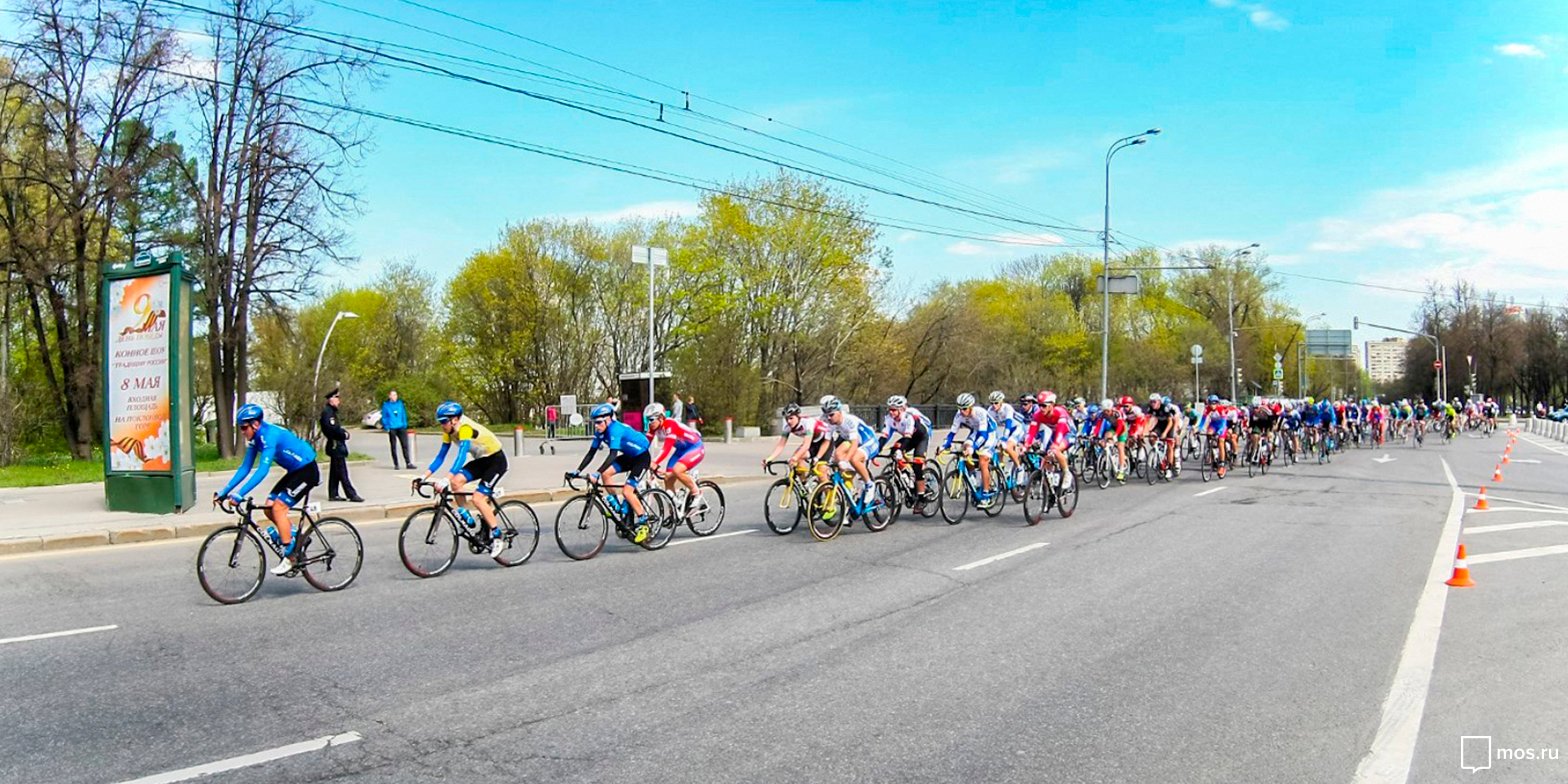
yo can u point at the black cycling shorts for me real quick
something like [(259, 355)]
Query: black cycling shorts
[(632, 466), (915, 444), (295, 484), (485, 470)]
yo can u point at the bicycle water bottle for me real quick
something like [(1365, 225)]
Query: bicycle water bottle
[(468, 517), (272, 535)]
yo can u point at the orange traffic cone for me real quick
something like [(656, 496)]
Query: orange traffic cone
[(1461, 578), (1481, 503), (1497, 474), (1505, 458)]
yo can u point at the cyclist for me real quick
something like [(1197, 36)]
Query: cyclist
[(1009, 427), (628, 455), (1107, 428), (1055, 419), (907, 429), (982, 439), (1165, 429), (267, 443), (858, 444), (814, 438), (1261, 426), (1128, 429), (479, 458), (1216, 424), (681, 453)]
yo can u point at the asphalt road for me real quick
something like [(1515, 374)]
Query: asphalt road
[(1247, 634)]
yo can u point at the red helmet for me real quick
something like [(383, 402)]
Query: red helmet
[(1046, 397), (1125, 401)]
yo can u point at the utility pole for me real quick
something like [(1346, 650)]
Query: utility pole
[(653, 257), (1105, 265)]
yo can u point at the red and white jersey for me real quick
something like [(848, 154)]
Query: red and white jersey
[(809, 428), (675, 434)]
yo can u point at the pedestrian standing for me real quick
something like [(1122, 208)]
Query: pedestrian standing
[(337, 451), (394, 419), (551, 413), (693, 413), (678, 408)]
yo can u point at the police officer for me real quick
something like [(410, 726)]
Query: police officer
[(337, 451)]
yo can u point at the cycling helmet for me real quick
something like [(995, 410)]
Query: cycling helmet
[(1027, 398), (1127, 400), (1168, 401), (998, 397), (897, 401), (1214, 399), (792, 409), (448, 410), (1078, 401), (654, 410), (250, 412), (1155, 398), (966, 400), (1256, 400), (1107, 404), (832, 404), (824, 401), (602, 411), (1094, 408), (1047, 398), (1308, 401)]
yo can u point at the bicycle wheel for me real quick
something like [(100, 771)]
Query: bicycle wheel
[(427, 542), (1265, 457), (1066, 499), (1251, 461), (999, 494), (231, 565), (1206, 462), (708, 520), (825, 512), (1103, 469), (332, 555), (580, 528), (664, 516), (1035, 505), (881, 513), (953, 499), (1137, 456), (1013, 477), (779, 508), (520, 526), (1151, 462)]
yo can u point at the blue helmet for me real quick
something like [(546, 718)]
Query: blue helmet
[(1214, 398), (602, 410), (448, 410), (250, 412)]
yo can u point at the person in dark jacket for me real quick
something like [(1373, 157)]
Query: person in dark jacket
[(337, 451), (394, 420)]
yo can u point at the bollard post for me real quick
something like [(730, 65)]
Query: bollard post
[(413, 447), (517, 441), (729, 429)]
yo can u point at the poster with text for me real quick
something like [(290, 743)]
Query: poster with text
[(138, 378)]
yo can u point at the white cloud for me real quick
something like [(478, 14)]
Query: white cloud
[(1519, 50), (1007, 243), (1258, 14), (967, 248), (1498, 226), (651, 210)]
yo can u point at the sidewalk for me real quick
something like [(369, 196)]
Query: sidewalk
[(71, 516)]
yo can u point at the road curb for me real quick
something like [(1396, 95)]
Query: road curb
[(359, 514)]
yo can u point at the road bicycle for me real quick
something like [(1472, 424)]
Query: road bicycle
[(582, 525), (1211, 464), (1043, 490), (839, 502), (1260, 453), (427, 542), (784, 505), (899, 474), (1418, 434), (962, 487), (1159, 467), (703, 520), (232, 561)]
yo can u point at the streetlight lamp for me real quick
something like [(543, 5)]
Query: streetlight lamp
[(1105, 266), (314, 380), (1439, 354)]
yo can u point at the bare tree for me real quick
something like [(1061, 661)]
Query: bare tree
[(88, 77), (269, 182)]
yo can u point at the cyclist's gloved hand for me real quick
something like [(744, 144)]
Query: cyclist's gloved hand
[(236, 502), (594, 475)]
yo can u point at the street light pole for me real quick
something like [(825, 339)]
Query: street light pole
[(1230, 309), (1105, 265), (316, 379), (1439, 354)]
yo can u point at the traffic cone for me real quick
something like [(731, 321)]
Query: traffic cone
[(1461, 578), (1481, 503), (1497, 474), (1505, 458)]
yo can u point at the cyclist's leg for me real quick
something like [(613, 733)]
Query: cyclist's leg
[(290, 490), (681, 466)]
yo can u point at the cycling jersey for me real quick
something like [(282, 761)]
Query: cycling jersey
[(905, 426), (682, 444), (1009, 423), (474, 441), (620, 437), (271, 444), (812, 429), (982, 430), (1216, 420), (854, 430), (1052, 418)]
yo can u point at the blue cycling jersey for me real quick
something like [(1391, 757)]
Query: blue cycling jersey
[(622, 438), (272, 443)]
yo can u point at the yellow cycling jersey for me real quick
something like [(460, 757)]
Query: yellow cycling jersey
[(483, 443)]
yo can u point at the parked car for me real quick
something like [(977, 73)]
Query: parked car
[(371, 419)]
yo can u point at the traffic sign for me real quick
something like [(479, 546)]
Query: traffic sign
[(1197, 349), (1279, 373), (1437, 364)]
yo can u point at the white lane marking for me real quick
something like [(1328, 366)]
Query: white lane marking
[(1536, 505), (711, 538), (1206, 492), (1492, 529), (1523, 460), (993, 559), (1384, 459), (1394, 747), (1510, 555), (1531, 509), (67, 633), (247, 760)]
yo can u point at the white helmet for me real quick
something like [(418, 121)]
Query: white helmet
[(966, 400), (897, 401), (825, 399), (998, 397), (653, 410)]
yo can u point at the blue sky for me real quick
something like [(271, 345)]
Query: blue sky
[(1387, 143)]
